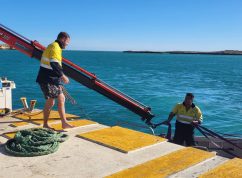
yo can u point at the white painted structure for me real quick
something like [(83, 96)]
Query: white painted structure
[(6, 87)]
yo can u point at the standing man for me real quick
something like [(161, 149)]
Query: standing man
[(50, 77), (187, 115)]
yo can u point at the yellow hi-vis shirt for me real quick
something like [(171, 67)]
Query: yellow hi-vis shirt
[(186, 117), (53, 53)]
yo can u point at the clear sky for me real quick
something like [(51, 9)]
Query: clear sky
[(160, 25)]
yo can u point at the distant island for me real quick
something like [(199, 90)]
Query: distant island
[(225, 52), (5, 46)]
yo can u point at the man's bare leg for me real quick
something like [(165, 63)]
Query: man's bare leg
[(50, 102), (62, 112)]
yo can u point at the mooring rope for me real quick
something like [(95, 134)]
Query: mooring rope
[(35, 142)]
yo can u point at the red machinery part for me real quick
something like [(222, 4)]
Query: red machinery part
[(35, 49)]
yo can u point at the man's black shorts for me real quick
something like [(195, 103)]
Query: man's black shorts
[(50, 90)]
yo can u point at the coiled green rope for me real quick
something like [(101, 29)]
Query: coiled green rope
[(35, 142)]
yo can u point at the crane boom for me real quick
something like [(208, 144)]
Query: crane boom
[(34, 49)]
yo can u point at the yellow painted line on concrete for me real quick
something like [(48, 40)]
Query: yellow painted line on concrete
[(53, 115), (41, 122), (230, 169), (9, 135), (75, 123), (18, 124), (24, 123), (166, 165), (121, 139), (57, 126)]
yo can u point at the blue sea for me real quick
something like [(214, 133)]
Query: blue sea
[(157, 80)]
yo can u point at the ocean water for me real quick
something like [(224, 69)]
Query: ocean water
[(157, 80)]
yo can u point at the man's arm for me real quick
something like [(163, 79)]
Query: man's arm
[(55, 54), (199, 117), (172, 114), (57, 69), (170, 117)]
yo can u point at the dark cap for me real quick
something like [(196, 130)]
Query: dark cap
[(190, 94)]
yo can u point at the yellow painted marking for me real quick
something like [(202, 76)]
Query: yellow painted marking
[(121, 139), (57, 126), (230, 169), (23, 123), (75, 123), (53, 115), (9, 135), (166, 165), (40, 122), (17, 124)]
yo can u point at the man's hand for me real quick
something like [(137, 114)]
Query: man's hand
[(196, 123), (65, 79)]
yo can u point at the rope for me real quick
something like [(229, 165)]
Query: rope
[(235, 137), (169, 131), (206, 132), (70, 99), (35, 142), (68, 96), (136, 125), (219, 136), (152, 126), (148, 125)]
